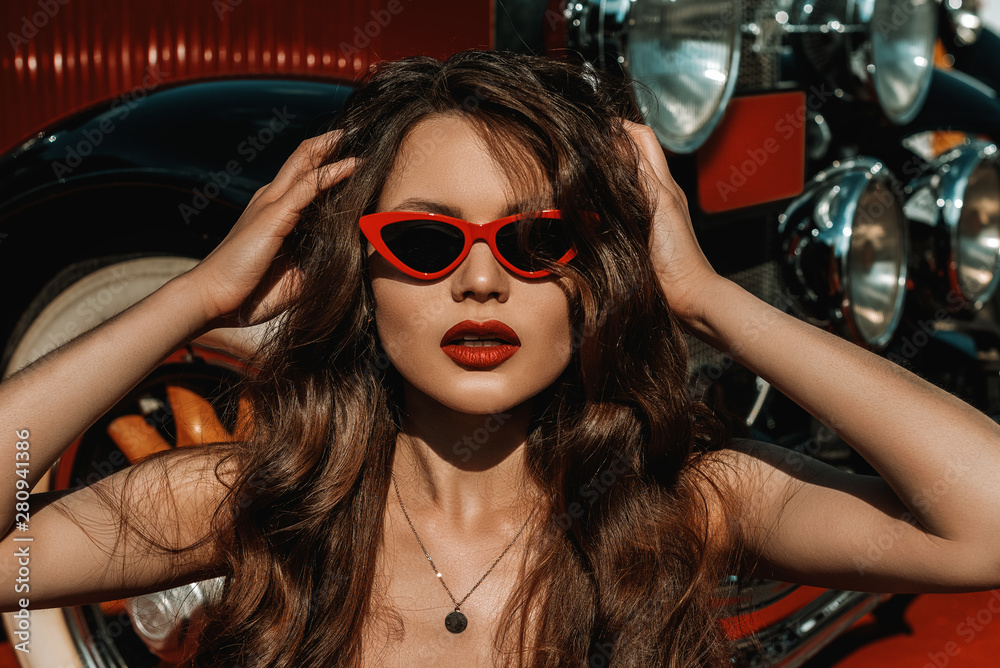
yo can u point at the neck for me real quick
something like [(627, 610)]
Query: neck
[(463, 468)]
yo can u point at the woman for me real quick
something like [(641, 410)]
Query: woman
[(504, 401)]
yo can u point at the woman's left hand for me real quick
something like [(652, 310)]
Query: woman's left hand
[(684, 272)]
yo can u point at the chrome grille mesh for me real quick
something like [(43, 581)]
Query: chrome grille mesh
[(760, 50)]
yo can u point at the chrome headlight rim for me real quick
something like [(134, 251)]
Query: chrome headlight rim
[(842, 45), (605, 29), (908, 111), (825, 217), (880, 178), (683, 144), (962, 162)]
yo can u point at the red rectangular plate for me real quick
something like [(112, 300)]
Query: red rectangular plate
[(756, 155)]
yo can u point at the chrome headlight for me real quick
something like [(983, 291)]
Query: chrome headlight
[(955, 210), (682, 54), (902, 55), (878, 50), (845, 249)]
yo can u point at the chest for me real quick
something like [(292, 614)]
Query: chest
[(411, 604)]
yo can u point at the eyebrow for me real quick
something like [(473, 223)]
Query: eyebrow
[(429, 206)]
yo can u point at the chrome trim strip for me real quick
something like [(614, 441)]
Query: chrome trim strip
[(792, 643)]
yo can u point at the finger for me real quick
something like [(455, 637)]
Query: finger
[(654, 163), (651, 153), (305, 190), (329, 175), (309, 155), (282, 213)]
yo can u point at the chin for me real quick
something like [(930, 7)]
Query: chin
[(479, 396), (483, 392), (486, 407)]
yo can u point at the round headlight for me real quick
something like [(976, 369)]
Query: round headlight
[(957, 201), (876, 50), (978, 231), (845, 247), (682, 54), (876, 261), (690, 70), (902, 55)]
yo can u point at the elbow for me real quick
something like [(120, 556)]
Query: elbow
[(991, 569), (979, 571)]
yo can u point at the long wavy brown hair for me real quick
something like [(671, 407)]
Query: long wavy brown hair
[(624, 564)]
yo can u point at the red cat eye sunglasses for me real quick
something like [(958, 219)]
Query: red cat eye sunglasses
[(429, 245)]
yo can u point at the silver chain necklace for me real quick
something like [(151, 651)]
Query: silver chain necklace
[(456, 620)]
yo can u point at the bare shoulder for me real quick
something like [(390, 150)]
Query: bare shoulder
[(757, 472), (747, 483)]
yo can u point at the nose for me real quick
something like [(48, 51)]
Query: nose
[(480, 276)]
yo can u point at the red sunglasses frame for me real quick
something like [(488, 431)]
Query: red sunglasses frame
[(372, 224)]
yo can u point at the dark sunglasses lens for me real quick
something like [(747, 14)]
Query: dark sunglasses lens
[(534, 244), (424, 245)]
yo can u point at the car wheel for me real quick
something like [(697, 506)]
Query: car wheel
[(75, 300)]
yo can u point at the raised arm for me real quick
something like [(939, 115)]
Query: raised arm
[(930, 523), (47, 405)]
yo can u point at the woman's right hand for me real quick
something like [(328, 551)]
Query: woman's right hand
[(686, 277), (241, 282)]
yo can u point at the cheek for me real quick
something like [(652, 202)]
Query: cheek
[(548, 336), (404, 309), (412, 318), (398, 318)]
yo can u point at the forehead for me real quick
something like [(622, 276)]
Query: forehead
[(446, 164)]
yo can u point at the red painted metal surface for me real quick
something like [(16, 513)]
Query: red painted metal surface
[(64, 55), (756, 155)]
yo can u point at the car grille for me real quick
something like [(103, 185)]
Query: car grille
[(760, 51)]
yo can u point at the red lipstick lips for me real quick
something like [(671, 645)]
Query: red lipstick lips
[(480, 344)]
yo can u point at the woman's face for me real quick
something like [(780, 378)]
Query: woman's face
[(444, 167)]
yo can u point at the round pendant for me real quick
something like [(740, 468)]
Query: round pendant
[(456, 621)]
